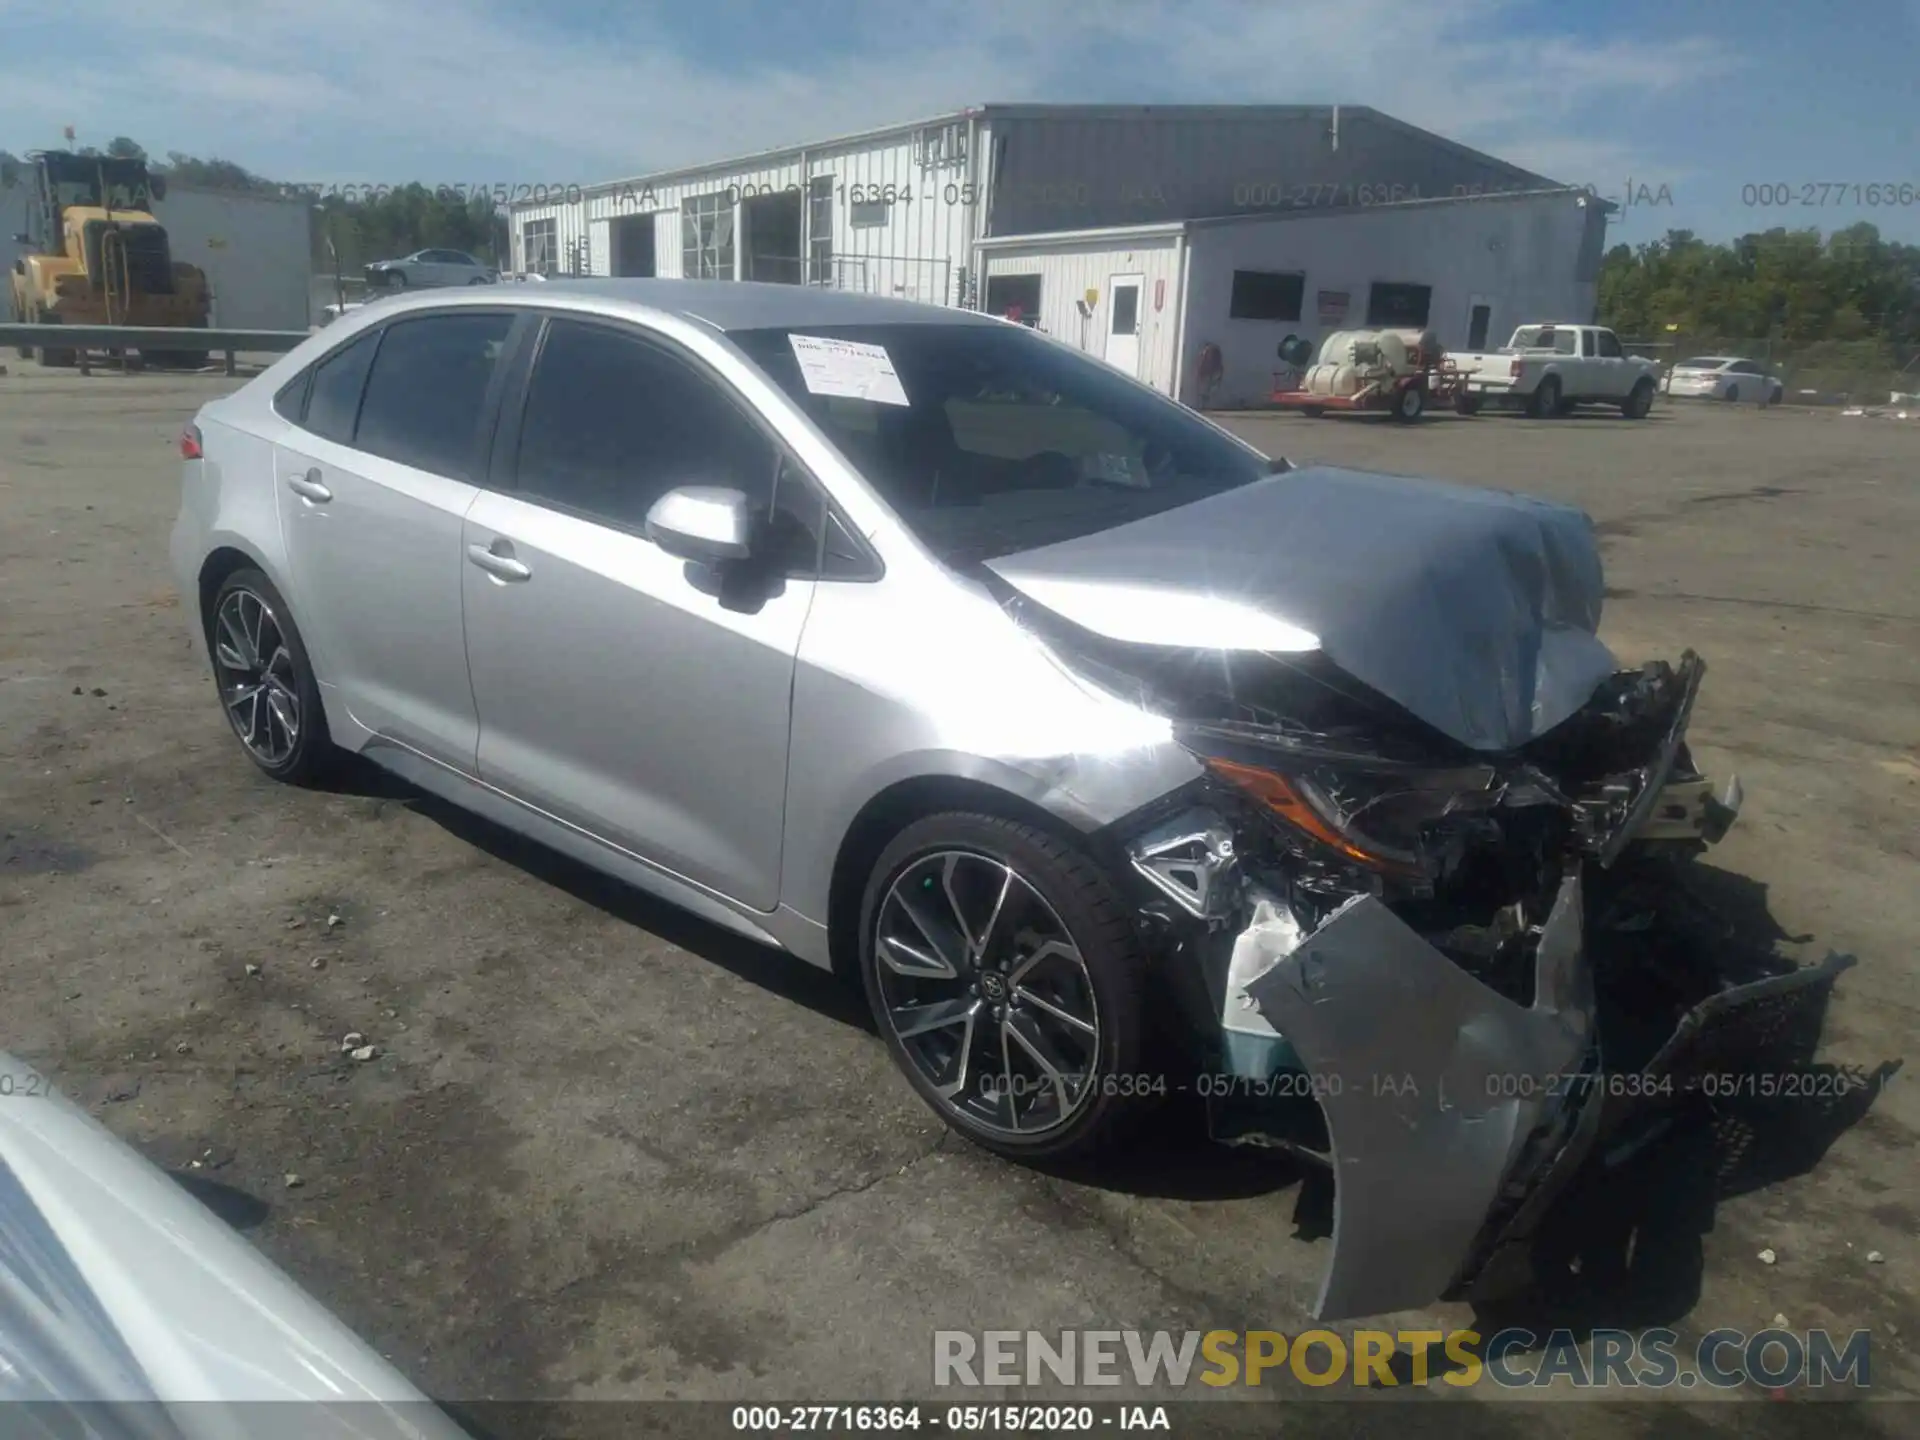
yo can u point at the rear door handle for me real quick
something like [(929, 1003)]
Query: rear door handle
[(501, 567), (308, 486)]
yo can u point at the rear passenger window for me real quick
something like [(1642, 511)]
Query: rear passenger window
[(334, 400), (428, 388)]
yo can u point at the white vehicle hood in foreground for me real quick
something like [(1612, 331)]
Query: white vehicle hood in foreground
[(128, 1309), (1476, 610)]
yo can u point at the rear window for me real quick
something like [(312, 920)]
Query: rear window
[(1701, 362), (1547, 337)]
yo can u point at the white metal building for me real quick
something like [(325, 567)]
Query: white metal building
[(917, 210), (256, 249), (1149, 298)]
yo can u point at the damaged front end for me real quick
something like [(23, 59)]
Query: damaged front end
[(1386, 944)]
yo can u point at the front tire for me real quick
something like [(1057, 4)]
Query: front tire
[(1005, 977), (1639, 402), (266, 682)]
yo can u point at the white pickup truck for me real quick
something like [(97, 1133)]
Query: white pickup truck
[(1549, 369)]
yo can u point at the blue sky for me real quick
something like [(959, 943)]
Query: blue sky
[(1703, 97)]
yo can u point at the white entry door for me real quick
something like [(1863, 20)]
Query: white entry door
[(1123, 323)]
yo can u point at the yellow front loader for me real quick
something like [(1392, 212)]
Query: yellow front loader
[(99, 257)]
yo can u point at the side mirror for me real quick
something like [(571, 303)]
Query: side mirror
[(702, 523), (23, 238)]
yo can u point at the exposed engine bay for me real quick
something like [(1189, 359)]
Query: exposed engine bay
[(1416, 962)]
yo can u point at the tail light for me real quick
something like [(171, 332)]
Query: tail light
[(1513, 370), (190, 444)]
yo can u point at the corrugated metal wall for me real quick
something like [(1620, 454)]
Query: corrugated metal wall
[(1067, 272), (1074, 172), (257, 251), (1521, 257), (917, 252)]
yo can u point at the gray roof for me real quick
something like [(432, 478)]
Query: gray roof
[(721, 304)]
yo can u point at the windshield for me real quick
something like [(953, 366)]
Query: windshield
[(997, 440)]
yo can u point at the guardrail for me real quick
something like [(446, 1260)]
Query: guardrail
[(85, 340)]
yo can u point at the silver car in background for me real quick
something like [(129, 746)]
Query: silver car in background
[(427, 268), (931, 650)]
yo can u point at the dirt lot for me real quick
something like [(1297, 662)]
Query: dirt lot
[(608, 1152)]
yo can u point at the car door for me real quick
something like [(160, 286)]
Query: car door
[(375, 479), (1614, 375), (642, 698)]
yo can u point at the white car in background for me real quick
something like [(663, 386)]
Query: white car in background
[(1723, 377)]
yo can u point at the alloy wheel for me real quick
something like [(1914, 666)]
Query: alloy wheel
[(259, 683), (987, 993)]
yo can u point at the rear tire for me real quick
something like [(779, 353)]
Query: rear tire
[(1013, 955), (1544, 403), (54, 357), (1467, 405), (265, 680), (1410, 404), (1733, 395), (1313, 412)]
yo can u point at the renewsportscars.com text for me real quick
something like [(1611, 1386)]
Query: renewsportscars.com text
[(1512, 1358)]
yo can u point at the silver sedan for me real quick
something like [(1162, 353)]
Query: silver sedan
[(1112, 759)]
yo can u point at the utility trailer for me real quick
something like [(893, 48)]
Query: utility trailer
[(1393, 372)]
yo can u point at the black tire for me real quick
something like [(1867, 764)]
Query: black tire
[(1076, 893), (1410, 404), (1733, 394), (1466, 405), (311, 753), (1313, 412), (1544, 403), (479, 280), (1639, 402), (396, 279)]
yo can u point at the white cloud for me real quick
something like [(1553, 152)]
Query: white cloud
[(383, 90)]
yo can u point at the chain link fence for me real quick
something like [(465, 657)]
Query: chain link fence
[(1819, 372)]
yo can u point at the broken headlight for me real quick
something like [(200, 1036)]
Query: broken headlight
[(1383, 815)]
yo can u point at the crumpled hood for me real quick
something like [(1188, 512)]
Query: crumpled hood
[(1476, 610), (122, 1295)]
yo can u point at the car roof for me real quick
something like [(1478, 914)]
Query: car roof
[(720, 304)]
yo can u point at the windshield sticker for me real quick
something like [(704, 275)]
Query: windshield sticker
[(849, 368)]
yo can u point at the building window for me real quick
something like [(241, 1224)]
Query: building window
[(1266, 295), (943, 148), (867, 214), (706, 237), (539, 246), (820, 230), (1398, 307), (1014, 297)]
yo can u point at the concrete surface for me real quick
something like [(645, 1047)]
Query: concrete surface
[(606, 1151)]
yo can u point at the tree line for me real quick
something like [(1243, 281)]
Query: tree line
[(1787, 286)]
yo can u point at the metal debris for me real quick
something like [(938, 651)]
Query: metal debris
[(352, 1040), (1874, 1257), (253, 969), (334, 920), (363, 1053), (1767, 1257), (294, 1182)]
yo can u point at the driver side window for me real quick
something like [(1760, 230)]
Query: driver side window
[(613, 422)]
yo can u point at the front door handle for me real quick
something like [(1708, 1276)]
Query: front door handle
[(501, 567), (309, 487)]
